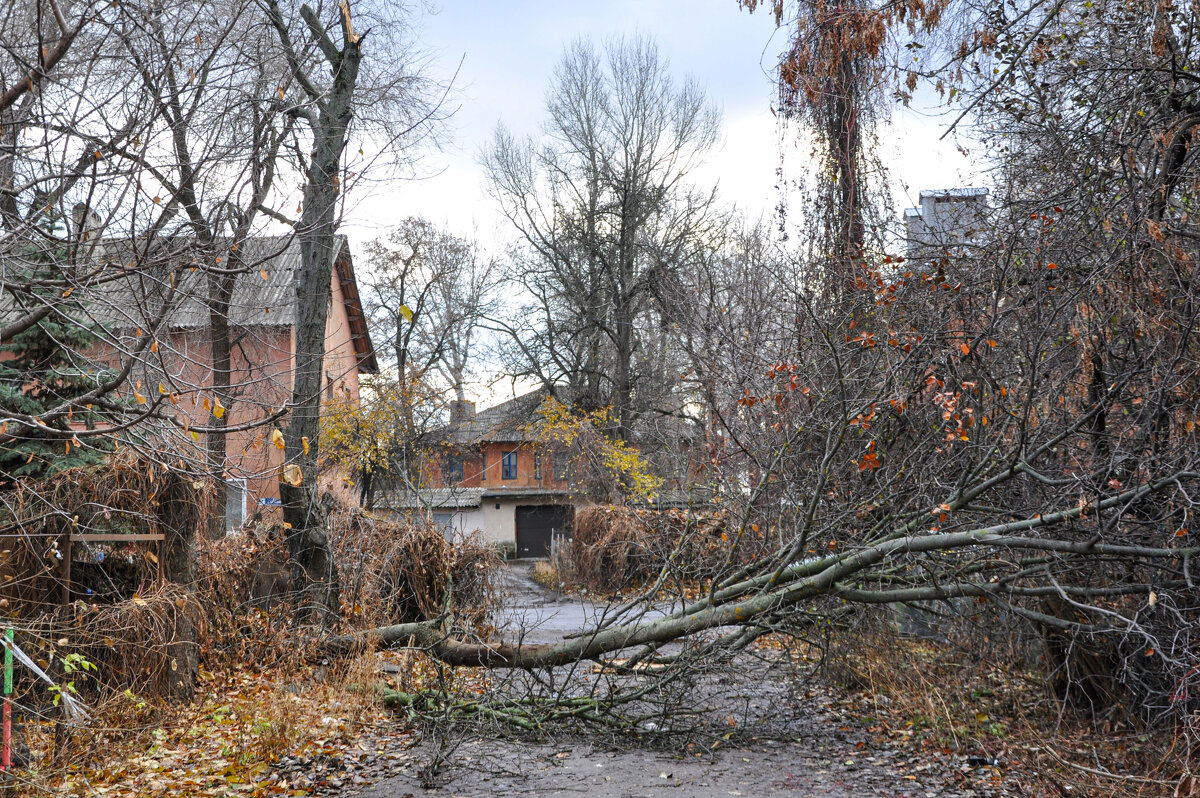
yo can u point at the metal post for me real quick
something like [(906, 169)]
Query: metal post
[(6, 754)]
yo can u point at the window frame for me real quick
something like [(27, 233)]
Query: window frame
[(561, 467), (508, 465), (235, 486), (452, 469)]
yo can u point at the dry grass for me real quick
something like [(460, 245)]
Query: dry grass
[(545, 574), (942, 696), (616, 548)]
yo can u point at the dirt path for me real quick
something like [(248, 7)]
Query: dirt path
[(811, 745)]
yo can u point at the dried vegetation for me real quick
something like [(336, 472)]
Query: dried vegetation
[(615, 548), (145, 627)]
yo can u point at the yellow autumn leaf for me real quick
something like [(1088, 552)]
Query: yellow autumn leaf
[(277, 439), (406, 312), (304, 443), (195, 436), (263, 273), (219, 409), (141, 400)]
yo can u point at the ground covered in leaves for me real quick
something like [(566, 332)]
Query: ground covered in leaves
[(875, 715), (311, 729)]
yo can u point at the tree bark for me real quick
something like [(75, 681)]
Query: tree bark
[(314, 569)]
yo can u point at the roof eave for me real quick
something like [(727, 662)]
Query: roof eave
[(360, 335)]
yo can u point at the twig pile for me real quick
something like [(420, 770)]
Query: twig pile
[(124, 495), (614, 548), (135, 644), (399, 571)]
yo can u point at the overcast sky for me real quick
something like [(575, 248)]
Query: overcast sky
[(508, 51)]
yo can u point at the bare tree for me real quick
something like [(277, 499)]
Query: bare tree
[(427, 292), (605, 213), (388, 103)]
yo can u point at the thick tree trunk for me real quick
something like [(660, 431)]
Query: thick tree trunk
[(220, 295), (180, 519), (314, 569)]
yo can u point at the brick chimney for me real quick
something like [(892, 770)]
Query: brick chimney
[(461, 412)]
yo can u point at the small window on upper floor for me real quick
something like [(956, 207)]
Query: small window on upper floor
[(452, 469), (562, 466), (508, 466), (537, 467)]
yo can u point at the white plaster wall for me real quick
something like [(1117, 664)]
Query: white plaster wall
[(499, 525), (467, 522)]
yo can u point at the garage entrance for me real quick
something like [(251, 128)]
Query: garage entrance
[(537, 525)]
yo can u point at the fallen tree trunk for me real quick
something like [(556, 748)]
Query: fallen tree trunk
[(765, 598)]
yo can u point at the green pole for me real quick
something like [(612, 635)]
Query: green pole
[(8, 634), (6, 752)]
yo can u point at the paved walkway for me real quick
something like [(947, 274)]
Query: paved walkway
[(536, 615), (816, 755)]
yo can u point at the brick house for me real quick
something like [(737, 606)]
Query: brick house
[(261, 318), (485, 472)]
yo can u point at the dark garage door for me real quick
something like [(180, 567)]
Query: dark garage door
[(536, 525)]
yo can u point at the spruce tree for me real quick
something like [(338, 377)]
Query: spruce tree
[(44, 367)]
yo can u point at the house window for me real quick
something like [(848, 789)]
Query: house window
[(235, 504), (537, 466), (445, 522), (562, 466), (483, 466), (452, 469), (508, 466)]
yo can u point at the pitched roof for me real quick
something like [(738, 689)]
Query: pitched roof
[(507, 422), (263, 296), (970, 192), (510, 421)]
